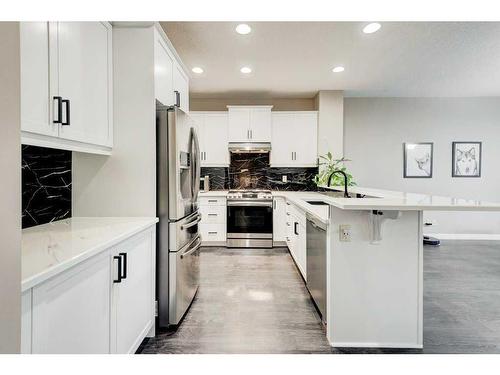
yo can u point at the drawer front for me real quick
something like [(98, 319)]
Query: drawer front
[(297, 214), (213, 214), (213, 232), (212, 201)]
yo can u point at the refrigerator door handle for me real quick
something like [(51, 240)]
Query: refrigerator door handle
[(195, 164)]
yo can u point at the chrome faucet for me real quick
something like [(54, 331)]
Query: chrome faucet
[(346, 194)]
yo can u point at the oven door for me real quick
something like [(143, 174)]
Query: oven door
[(249, 224)]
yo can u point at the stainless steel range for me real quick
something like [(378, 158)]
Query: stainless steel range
[(250, 218)]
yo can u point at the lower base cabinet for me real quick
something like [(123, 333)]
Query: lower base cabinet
[(296, 236), (103, 305), (132, 299)]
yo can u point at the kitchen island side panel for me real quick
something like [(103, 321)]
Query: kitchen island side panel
[(375, 290)]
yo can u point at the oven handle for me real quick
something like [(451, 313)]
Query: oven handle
[(249, 204), (191, 223)]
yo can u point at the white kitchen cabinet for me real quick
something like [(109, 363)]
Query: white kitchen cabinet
[(85, 74), (94, 307), (71, 312), (294, 139), (26, 322), (296, 236), (171, 81), (213, 225), (212, 134), (249, 123), (279, 221), (181, 88), (66, 86), (132, 309), (35, 84), (164, 68)]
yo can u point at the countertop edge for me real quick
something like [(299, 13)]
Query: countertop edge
[(39, 278)]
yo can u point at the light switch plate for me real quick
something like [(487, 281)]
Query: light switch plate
[(344, 233), (284, 178)]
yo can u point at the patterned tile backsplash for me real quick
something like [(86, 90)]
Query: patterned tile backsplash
[(252, 171), (46, 185)]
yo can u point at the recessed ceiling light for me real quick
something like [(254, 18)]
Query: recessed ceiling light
[(338, 69), (197, 70), (371, 28), (243, 29), (246, 70)]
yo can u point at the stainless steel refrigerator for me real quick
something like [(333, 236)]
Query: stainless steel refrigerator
[(178, 242)]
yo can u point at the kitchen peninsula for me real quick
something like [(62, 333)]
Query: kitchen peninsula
[(374, 260)]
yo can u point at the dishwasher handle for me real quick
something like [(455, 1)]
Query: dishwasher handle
[(315, 224)]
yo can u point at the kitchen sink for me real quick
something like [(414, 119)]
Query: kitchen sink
[(340, 194)]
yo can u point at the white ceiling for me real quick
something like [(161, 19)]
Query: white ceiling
[(294, 59)]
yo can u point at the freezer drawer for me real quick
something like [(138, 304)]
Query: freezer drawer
[(184, 279)]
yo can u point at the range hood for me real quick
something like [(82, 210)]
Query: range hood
[(249, 147)]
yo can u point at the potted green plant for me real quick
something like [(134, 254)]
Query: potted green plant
[(327, 165)]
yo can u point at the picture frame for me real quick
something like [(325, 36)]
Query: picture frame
[(418, 159), (466, 158)]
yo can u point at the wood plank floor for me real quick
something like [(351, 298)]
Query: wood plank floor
[(255, 301)]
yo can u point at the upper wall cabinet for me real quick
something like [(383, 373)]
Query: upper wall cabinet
[(171, 81), (249, 123), (66, 85), (212, 133), (294, 139)]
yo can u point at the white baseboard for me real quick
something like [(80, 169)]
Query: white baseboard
[(400, 345), (465, 236)]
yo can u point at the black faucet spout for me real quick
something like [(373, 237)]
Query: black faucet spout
[(346, 193)]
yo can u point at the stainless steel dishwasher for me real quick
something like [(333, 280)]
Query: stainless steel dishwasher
[(316, 263)]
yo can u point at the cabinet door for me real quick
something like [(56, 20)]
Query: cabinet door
[(282, 139), (279, 220), (215, 140), (71, 312), (239, 125), (260, 124), (85, 79), (301, 249), (133, 297), (26, 322), (306, 139), (164, 69), (181, 85), (35, 84)]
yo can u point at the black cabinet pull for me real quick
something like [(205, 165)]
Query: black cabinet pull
[(119, 259), (295, 228), (124, 255), (177, 98), (59, 110), (67, 104)]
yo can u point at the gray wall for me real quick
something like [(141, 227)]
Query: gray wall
[(10, 189), (375, 129)]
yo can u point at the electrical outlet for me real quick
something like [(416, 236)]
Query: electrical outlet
[(284, 178), (344, 233)]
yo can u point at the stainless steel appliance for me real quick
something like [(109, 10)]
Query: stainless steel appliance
[(316, 262), (178, 242), (249, 218), (249, 147)]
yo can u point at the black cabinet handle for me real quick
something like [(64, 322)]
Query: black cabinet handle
[(295, 228), (124, 255), (67, 104), (59, 110), (177, 98), (119, 259)]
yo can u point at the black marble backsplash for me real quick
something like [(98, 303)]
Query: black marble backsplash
[(46, 185), (252, 171)]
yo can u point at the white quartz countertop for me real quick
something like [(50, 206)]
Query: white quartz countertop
[(52, 248), (378, 199)]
